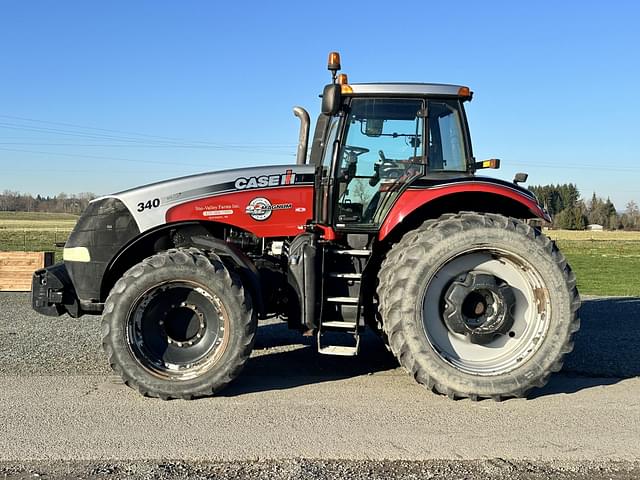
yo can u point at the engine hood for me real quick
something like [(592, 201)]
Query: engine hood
[(149, 204)]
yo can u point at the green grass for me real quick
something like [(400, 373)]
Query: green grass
[(36, 216), (35, 231), (605, 263), (604, 267)]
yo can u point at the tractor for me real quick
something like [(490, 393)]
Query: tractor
[(382, 224)]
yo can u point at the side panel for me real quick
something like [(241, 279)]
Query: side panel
[(150, 204), (272, 212), (416, 197)]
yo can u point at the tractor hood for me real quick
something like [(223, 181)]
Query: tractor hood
[(149, 204)]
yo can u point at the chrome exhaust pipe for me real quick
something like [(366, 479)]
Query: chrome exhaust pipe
[(303, 141)]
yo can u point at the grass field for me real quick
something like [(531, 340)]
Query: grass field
[(606, 263), (35, 231)]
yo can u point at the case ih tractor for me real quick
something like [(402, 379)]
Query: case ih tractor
[(385, 226)]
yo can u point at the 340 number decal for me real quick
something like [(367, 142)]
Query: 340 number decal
[(155, 203)]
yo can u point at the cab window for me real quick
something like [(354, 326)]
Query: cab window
[(446, 140), (383, 150)]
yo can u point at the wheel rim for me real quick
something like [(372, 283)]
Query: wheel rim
[(511, 342), (178, 330)]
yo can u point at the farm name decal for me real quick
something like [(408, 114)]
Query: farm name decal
[(261, 181)]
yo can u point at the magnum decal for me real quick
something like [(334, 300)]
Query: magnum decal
[(261, 181), (260, 208)]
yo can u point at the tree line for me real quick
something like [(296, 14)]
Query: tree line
[(570, 212), (61, 203)]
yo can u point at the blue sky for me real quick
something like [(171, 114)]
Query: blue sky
[(103, 96)]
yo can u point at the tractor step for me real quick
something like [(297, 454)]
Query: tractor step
[(348, 276), (343, 300), (352, 252), (339, 350), (340, 325)]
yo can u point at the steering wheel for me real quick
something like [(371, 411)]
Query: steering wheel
[(351, 154), (387, 168), (350, 150)]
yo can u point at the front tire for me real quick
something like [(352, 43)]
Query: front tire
[(478, 305), (178, 325)]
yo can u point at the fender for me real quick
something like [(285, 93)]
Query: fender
[(242, 264), (195, 234), (424, 192)]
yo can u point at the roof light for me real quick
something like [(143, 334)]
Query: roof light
[(334, 62), (465, 92), (345, 89), (342, 79)]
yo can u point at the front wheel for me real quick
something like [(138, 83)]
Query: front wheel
[(478, 305), (178, 325)]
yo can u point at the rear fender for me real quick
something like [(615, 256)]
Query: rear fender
[(417, 205)]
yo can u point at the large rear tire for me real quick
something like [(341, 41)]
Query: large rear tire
[(478, 305), (178, 325)]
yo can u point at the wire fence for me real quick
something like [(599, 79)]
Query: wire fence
[(34, 239)]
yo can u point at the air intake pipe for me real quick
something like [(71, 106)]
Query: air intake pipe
[(303, 115)]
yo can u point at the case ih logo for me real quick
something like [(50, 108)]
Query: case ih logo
[(288, 178), (260, 208)]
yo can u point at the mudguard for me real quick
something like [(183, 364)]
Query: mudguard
[(424, 191)]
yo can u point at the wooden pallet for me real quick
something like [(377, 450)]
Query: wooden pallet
[(16, 269)]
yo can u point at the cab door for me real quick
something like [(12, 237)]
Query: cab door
[(328, 144), (382, 151)]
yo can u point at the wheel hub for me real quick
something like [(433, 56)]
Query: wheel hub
[(184, 324), (479, 306), (178, 329)]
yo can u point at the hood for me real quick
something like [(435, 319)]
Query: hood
[(149, 203)]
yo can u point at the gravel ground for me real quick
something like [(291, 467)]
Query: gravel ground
[(495, 469), (605, 347)]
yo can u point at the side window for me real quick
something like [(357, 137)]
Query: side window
[(382, 151), (446, 143)]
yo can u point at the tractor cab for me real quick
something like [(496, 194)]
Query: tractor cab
[(372, 141)]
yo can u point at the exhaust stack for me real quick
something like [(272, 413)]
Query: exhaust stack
[(303, 115)]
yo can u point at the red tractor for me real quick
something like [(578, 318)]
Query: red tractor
[(386, 226)]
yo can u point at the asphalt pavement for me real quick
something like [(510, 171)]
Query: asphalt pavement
[(298, 414)]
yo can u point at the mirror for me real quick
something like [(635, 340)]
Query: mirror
[(331, 99), (373, 127)]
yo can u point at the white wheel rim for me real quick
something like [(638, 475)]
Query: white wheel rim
[(505, 352)]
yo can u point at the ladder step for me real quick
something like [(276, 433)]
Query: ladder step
[(351, 276), (339, 324), (339, 350), (343, 300), (352, 252)]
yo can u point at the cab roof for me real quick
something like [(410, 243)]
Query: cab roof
[(392, 88)]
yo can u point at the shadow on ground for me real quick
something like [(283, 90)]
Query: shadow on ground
[(273, 368), (606, 351), (606, 347)]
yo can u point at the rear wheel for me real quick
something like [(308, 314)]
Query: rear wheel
[(178, 325), (478, 305)]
